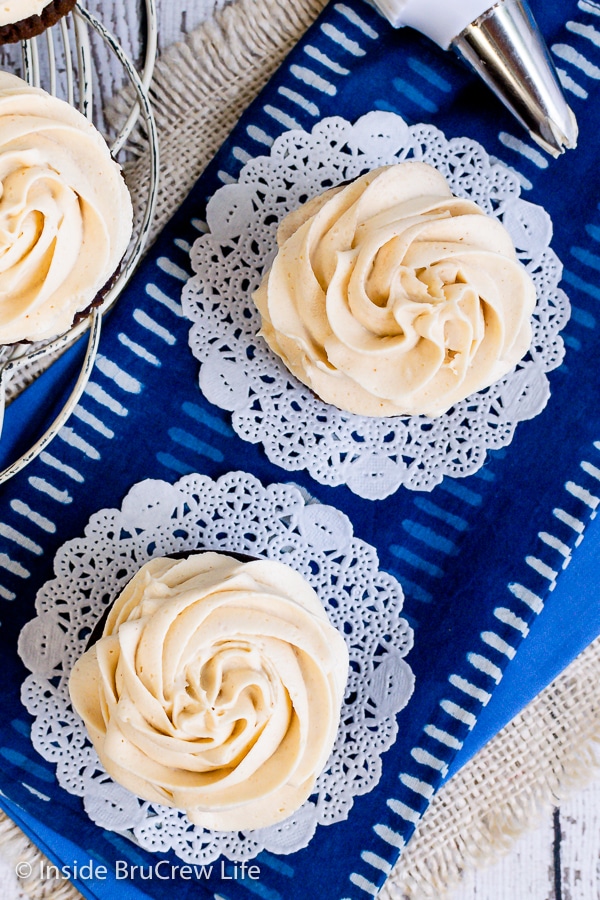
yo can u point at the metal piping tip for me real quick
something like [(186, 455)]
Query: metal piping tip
[(504, 46)]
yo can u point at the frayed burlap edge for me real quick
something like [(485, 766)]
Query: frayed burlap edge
[(201, 87), (549, 750)]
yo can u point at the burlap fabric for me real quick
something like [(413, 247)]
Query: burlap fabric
[(200, 89)]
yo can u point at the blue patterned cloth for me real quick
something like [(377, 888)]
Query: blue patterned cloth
[(479, 558)]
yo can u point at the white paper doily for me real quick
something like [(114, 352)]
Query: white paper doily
[(239, 372), (235, 513)]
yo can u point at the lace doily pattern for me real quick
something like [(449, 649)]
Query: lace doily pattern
[(235, 513), (239, 373)]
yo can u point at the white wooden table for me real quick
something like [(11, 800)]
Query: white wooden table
[(559, 860)]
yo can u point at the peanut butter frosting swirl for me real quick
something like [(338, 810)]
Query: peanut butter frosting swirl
[(65, 213), (390, 296), (216, 688)]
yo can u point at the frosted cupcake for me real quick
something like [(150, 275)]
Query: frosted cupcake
[(24, 19), (390, 296), (65, 214), (216, 688)]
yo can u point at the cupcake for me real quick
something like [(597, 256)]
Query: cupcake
[(24, 19), (390, 296), (65, 214), (215, 688)]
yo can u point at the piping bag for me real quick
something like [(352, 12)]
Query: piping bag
[(503, 44)]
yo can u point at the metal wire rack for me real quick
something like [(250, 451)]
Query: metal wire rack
[(61, 61)]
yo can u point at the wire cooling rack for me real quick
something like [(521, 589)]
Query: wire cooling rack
[(61, 61)]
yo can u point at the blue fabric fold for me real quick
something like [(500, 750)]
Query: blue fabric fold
[(478, 557)]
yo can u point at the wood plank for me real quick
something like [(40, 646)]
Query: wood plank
[(525, 873), (177, 19), (580, 845), (559, 860)]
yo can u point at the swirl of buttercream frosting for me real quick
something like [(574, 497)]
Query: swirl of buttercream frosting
[(390, 296), (65, 213), (216, 688)]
